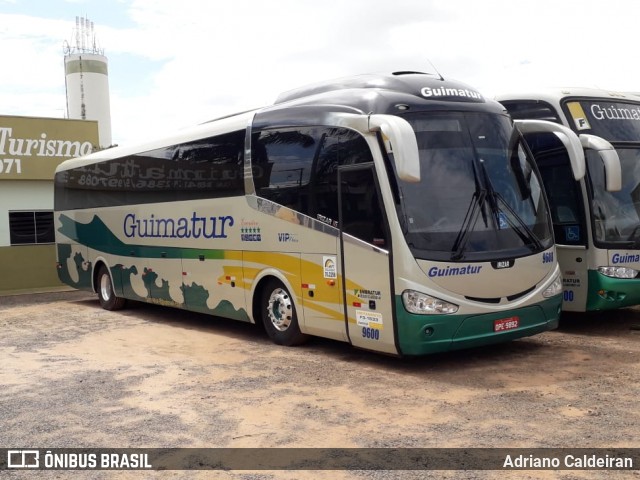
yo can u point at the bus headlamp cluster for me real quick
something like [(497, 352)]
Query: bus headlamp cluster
[(554, 289), (618, 272), (423, 304)]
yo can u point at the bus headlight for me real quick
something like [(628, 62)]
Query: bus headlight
[(618, 272), (423, 304), (554, 289)]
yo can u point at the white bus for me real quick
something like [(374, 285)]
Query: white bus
[(596, 217), (401, 213)]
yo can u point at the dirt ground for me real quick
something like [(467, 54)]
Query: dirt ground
[(74, 375)]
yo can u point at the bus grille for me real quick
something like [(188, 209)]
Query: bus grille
[(510, 298)]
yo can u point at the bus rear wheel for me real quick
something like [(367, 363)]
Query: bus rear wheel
[(106, 295), (279, 315)]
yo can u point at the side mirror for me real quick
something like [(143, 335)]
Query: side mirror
[(610, 158), (398, 135), (569, 139), (399, 139)]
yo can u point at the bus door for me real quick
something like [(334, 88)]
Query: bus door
[(365, 257), (568, 214), (574, 263)]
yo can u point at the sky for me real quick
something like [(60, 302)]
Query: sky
[(173, 64)]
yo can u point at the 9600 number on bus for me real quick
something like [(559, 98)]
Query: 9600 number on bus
[(371, 333)]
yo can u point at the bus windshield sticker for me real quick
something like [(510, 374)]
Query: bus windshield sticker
[(579, 116), (502, 221)]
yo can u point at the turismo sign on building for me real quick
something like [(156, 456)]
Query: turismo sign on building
[(31, 148)]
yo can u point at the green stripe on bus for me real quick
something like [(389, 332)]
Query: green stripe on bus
[(607, 293), (425, 334)]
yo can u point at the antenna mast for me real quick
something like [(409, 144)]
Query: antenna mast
[(83, 39), (87, 79)]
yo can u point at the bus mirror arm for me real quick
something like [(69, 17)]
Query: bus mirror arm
[(609, 156), (569, 139), (400, 138)]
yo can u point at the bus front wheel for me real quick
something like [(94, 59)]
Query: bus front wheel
[(279, 315), (108, 298)]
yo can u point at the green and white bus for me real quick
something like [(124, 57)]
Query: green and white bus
[(401, 213), (596, 217)]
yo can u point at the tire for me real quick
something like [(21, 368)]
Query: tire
[(106, 295), (279, 315)]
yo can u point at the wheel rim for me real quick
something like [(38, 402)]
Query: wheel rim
[(280, 309), (105, 287)]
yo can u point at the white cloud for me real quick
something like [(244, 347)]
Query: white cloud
[(204, 59)]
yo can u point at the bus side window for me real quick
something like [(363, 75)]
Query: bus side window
[(563, 191), (361, 212), (285, 157), (340, 147)]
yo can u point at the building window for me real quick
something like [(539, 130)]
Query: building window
[(29, 228)]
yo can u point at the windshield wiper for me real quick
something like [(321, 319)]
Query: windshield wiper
[(523, 231), (527, 234), (635, 242), (476, 205), (485, 193)]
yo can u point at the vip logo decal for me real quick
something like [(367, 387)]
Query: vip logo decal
[(288, 237)]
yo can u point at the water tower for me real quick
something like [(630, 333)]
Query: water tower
[(87, 80)]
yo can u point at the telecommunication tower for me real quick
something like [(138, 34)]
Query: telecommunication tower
[(87, 79)]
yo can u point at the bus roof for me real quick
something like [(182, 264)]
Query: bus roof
[(214, 127), (381, 93), (393, 93), (554, 95)]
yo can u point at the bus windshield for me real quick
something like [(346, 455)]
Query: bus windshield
[(480, 197), (616, 215), (614, 121)]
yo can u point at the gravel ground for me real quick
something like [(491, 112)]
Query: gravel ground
[(75, 376)]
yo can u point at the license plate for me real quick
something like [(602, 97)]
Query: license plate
[(506, 324)]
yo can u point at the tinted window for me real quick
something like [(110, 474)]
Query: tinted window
[(297, 167), (613, 121), (362, 215), (207, 168), (341, 147), (563, 191), (479, 196), (616, 215), (531, 110), (285, 158)]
